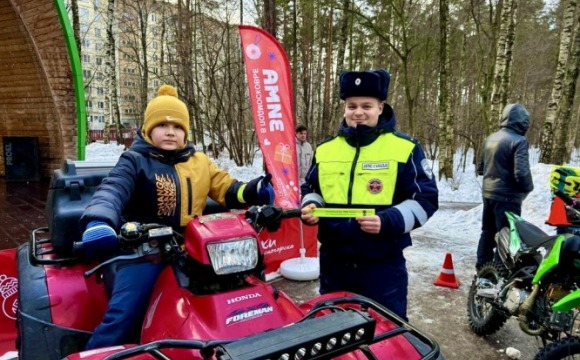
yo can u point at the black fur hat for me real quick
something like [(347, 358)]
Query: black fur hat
[(374, 83)]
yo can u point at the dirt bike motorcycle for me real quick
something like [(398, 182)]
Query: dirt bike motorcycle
[(210, 301), (567, 347), (531, 277)]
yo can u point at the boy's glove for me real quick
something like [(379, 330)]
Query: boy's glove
[(260, 191), (99, 239)]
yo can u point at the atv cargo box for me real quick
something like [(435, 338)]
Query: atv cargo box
[(71, 189)]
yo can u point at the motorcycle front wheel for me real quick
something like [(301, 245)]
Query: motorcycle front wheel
[(483, 318), (566, 348)]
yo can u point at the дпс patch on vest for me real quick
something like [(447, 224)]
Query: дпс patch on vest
[(375, 166)]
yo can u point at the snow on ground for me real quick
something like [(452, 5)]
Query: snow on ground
[(464, 188), (455, 228), (449, 230)]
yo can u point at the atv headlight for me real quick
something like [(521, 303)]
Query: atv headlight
[(234, 256)]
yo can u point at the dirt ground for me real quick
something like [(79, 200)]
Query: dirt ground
[(440, 313)]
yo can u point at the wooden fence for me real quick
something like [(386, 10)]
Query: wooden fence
[(127, 133)]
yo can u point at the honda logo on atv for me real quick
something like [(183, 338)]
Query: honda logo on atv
[(243, 297)]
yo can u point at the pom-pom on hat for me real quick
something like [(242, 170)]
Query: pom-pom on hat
[(166, 107), (373, 83)]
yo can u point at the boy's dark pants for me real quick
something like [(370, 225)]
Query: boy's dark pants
[(129, 299)]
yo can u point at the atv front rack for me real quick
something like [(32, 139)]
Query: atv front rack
[(332, 328), (322, 337), (428, 348)]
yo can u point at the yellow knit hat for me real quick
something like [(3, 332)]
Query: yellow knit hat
[(166, 107)]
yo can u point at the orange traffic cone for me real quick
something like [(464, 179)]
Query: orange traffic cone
[(447, 277)]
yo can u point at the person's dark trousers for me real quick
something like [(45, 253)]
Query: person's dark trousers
[(126, 309), (493, 220), (383, 280)]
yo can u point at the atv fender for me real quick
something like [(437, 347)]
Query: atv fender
[(568, 302), (57, 307), (9, 299)]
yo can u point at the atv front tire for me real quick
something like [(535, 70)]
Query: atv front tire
[(483, 318), (566, 348)]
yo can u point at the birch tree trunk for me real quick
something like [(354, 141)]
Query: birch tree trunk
[(565, 135), (74, 9), (341, 40), (446, 135), (502, 61), (326, 111), (143, 13), (306, 45), (185, 78), (547, 137), (509, 45), (112, 95)]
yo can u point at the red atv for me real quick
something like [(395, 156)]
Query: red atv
[(210, 301)]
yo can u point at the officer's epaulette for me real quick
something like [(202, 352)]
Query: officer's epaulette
[(326, 139), (406, 137)]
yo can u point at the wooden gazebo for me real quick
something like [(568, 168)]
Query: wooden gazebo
[(39, 68)]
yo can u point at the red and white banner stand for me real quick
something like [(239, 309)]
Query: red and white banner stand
[(270, 87)]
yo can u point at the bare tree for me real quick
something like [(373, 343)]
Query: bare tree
[(74, 9), (547, 138), (445, 102), (446, 135), (402, 41), (112, 95), (270, 23), (564, 137), (326, 107), (502, 61)]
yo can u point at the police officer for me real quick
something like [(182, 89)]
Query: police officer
[(368, 165)]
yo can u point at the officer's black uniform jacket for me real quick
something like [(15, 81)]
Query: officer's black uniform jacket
[(374, 168)]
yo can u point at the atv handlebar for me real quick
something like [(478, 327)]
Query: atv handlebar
[(133, 234), (77, 246), (291, 213), (258, 216), (269, 217)]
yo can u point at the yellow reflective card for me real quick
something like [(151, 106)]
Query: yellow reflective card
[(342, 213)]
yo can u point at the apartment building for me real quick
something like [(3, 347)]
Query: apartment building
[(129, 56)]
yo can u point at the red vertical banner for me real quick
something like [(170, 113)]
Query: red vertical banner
[(270, 88)]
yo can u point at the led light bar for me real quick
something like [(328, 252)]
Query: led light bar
[(322, 337)]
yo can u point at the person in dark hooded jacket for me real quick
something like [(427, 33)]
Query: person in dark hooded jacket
[(507, 180), (368, 165), (160, 179)]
